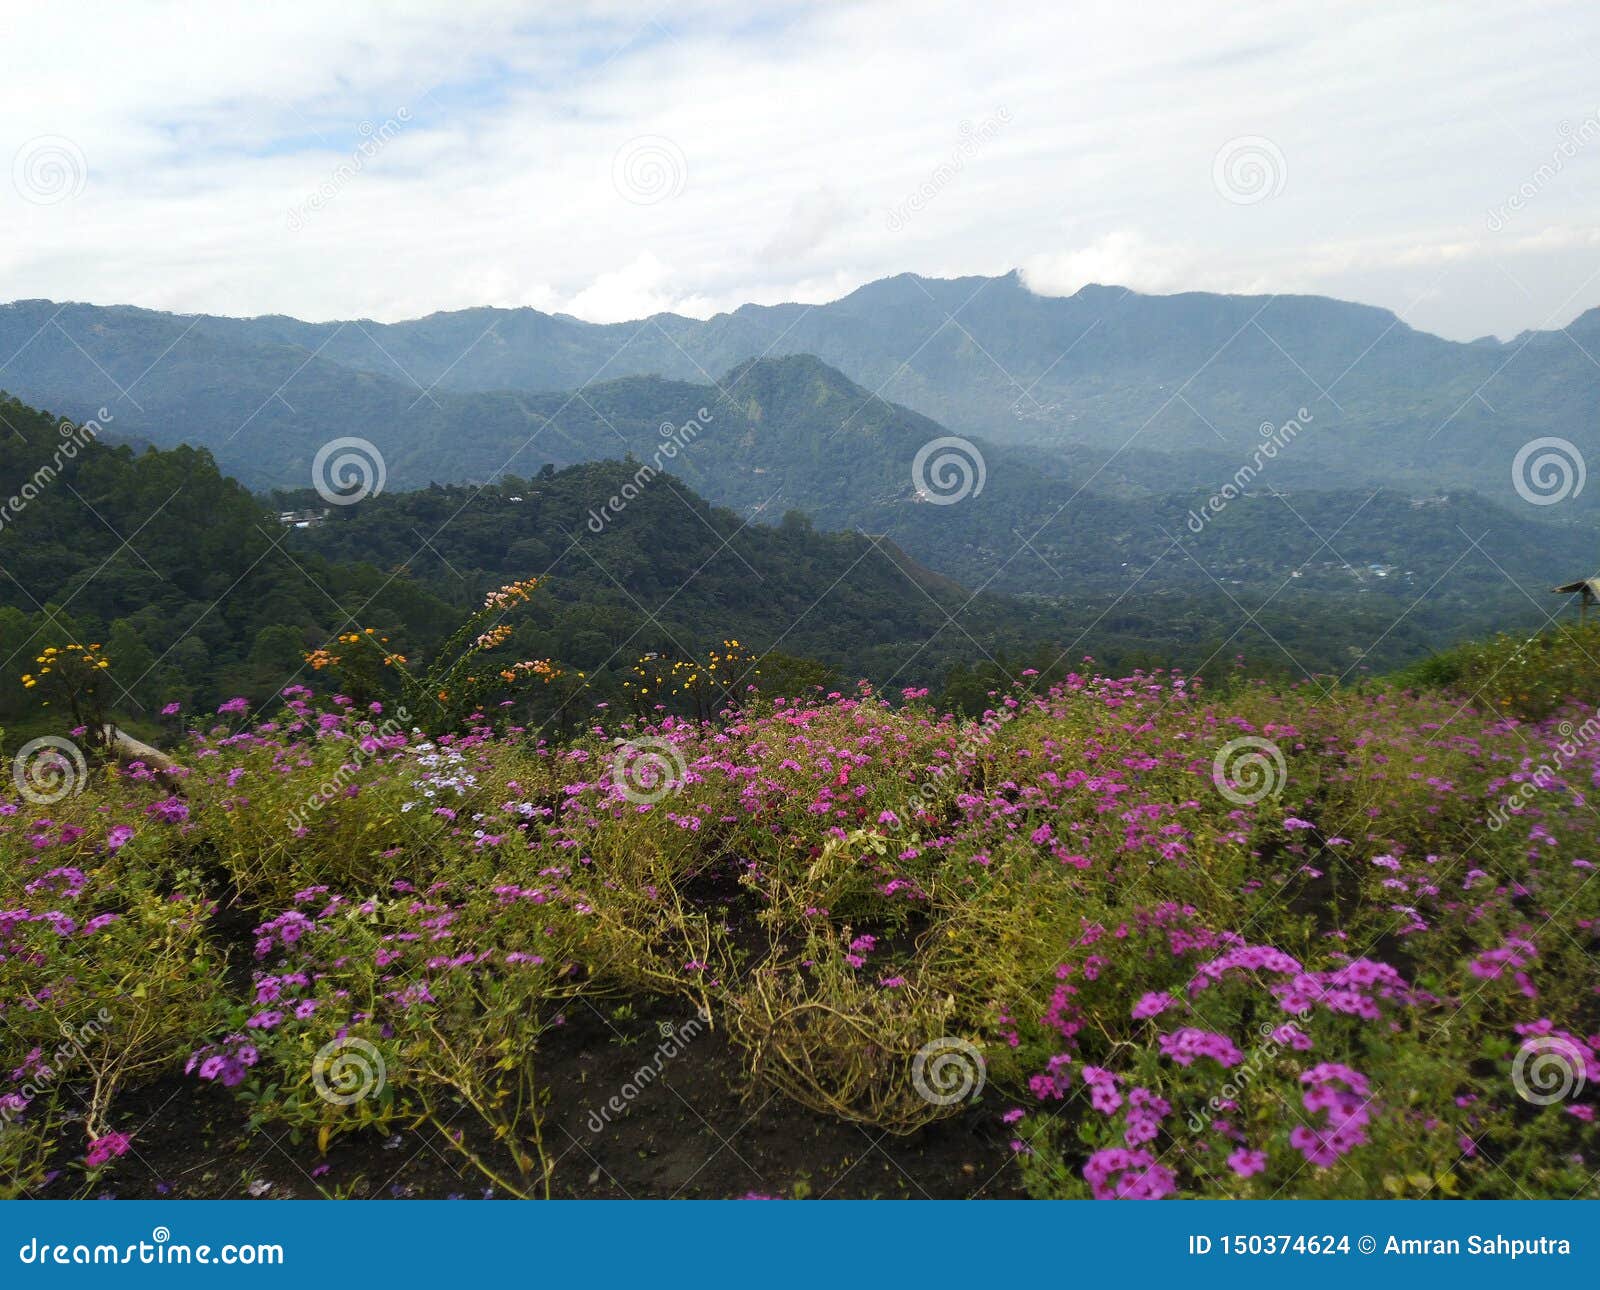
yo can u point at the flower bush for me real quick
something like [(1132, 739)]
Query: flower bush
[(1337, 979)]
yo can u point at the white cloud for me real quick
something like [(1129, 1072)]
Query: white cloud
[(1122, 259), (801, 130), (636, 290)]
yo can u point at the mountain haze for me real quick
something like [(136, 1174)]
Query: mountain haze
[(1191, 377)]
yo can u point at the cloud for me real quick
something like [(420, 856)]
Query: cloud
[(636, 290), (813, 218), (1123, 259), (799, 131)]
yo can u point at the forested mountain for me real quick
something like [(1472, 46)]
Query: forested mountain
[(1190, 376), (199, 592), (177, 570), (1291, 590)]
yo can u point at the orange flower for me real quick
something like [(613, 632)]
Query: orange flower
[(510, 594)]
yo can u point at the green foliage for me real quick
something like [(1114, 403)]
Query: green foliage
[(1528, 677), (200, 602)]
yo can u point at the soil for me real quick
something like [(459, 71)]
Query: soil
[(692, 1131)]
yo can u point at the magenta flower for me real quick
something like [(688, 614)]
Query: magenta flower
[(106, 1148), (1122, 1174), (1188, 1043), (1245, 1162), (1152, 1005)]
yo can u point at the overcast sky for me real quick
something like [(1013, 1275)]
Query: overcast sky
[(610, 160)]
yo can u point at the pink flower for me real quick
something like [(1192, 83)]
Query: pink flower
[(106, 1148), (1118, 1173), (1152, 1004), (1245, 1163), (1189, 1042)]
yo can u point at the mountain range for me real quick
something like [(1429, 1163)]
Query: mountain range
[(1191, 377), (1101, 427)]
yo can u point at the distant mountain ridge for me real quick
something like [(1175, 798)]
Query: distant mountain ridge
[(1114, 392), (1191, 377)]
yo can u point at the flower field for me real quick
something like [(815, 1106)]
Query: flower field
[(1118, 938)]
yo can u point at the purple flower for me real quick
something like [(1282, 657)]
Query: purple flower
[(1188, 1043), (1245, 1162), (105, 1148), (1121, 1174), (1152, 1004)]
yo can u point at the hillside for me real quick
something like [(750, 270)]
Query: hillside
[(1104, 369), (200, 594), (204, 595)]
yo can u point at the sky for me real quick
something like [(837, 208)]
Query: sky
[(611, 160)]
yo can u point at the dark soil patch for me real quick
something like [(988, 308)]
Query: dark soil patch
[(688, 1129)]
